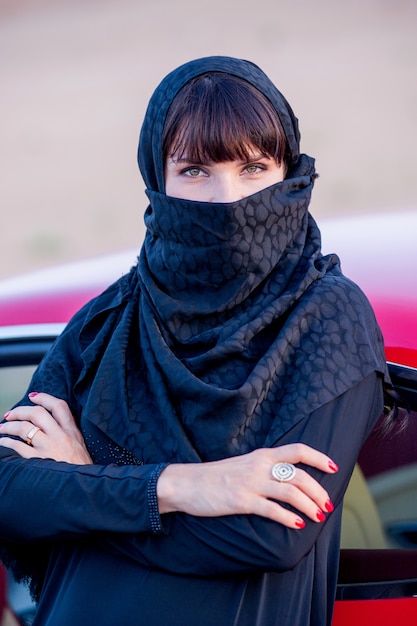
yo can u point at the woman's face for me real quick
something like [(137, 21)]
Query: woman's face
[(226, 181)]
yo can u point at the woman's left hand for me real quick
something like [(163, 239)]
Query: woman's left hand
[(47, 431)]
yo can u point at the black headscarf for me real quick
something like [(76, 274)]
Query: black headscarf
[(235, 327), (245, 327)]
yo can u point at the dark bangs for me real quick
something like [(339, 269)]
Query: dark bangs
[(216, 117)]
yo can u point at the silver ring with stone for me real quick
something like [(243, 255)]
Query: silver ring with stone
[(283, 472)]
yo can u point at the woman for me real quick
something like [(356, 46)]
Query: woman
[(215, 387)]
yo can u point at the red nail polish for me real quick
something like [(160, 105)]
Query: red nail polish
[(329, 506), (300, 523), (333, 466), (321, 516), (32, 394), (6, 415)]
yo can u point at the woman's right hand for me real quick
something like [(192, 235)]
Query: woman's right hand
[(245, 485), (53, 426)]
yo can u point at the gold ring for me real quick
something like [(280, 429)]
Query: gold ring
[(31, 435)]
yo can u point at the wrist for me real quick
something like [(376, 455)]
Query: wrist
[(171, 488), (165, 490)]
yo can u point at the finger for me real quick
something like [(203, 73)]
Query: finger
[(20, 429), (302, 453), (277, 513), (22, 449), (35, 416), (57, 407), (314, 490), (302, 502)]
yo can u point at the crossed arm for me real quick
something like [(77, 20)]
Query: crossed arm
[(223, 516), (236, 485)]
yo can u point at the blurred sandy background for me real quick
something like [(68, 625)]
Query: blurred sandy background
[(76, 75)]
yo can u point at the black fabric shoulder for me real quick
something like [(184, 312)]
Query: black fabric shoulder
[(113, 297)]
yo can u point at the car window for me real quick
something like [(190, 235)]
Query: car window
[(381, 502), (389, 464), (14, 381)]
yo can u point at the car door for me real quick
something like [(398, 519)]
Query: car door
[(378, 561)]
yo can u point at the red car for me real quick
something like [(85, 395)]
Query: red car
[(378, 566)]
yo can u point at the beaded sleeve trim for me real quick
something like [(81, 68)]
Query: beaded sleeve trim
[(155, 519)]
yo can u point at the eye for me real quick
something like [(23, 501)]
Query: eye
[(193, 172), (254, 168)]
